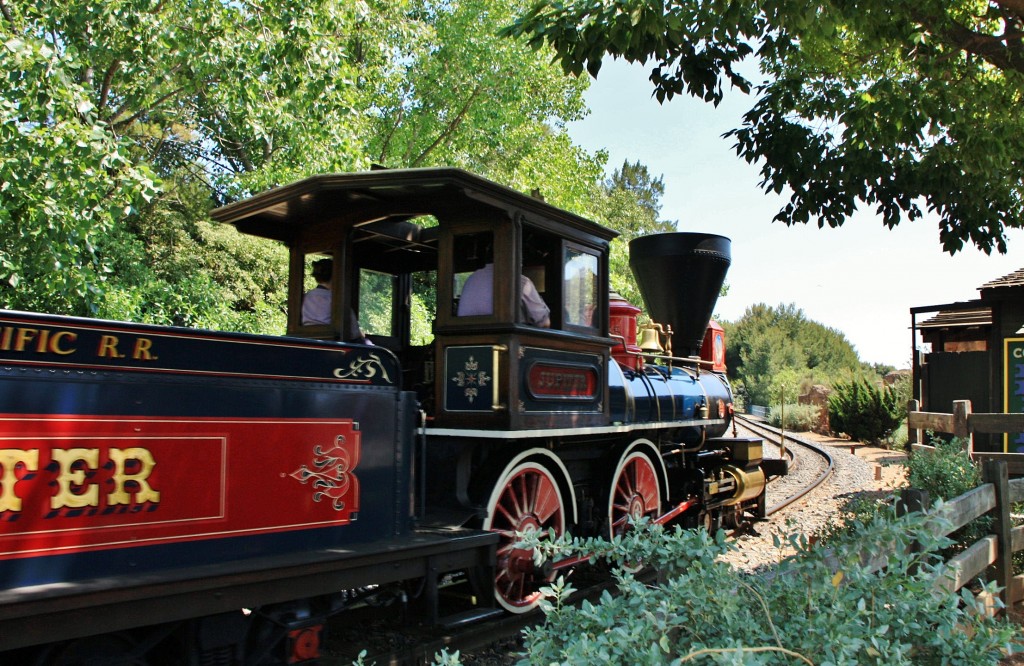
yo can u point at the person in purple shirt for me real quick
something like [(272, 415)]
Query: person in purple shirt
[(478, 298)]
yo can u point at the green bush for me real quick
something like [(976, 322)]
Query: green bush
[(946, 473), (704, 611), (864, 411), (799, 418)]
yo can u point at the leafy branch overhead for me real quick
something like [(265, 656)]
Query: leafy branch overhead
[(905, 106)]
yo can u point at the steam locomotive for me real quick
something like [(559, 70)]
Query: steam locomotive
[(218, 495)]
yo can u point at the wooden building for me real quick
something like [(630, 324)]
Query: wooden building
[(976, 353)]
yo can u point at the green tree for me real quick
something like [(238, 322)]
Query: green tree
[(767, 343), (630, 203), (107, 102), (65, 180), (865, 411), (902, 106), (104, 97)]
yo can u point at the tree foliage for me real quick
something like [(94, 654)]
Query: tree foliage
[(630, 203), (774, 346), (124, 121), (905, 107)]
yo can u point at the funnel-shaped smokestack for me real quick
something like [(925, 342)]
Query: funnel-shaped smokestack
[(680, 276)]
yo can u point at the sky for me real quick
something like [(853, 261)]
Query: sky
[(860, 279)]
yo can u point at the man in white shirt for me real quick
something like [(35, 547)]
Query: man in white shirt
[(316, 304)]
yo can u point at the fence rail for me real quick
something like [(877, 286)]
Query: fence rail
[(963, 423), (991, 555)]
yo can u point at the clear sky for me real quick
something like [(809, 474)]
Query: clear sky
[(860, 279)]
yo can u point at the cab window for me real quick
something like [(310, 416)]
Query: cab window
[(376, 302), (580, 287)]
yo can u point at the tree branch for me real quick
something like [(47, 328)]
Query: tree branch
[(1004, 51), (1015, 6), (452, 126), (993, 48), (118, 125), (107, 80), (5, 10), (386, 143)]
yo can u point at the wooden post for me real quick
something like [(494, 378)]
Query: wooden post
[(994, 472), (961, 427), (913, 435), (911, 500)]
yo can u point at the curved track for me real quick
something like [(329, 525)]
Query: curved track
[(805, 460)]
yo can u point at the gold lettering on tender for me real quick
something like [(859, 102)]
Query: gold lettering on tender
[(9, 461), (56, 340), (70, 479), (44, 339), (145, 492), (5, 338), (23, 337), (142, 350), (108, 347)]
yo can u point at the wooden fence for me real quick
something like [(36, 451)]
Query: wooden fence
[(963, 423), (992, 555)]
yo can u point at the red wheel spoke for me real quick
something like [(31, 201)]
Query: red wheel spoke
[(547, 503), (510, 513), (514, 496), (647, 484)]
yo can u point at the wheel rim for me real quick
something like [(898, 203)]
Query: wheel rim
[(635, 492), (526, 499)]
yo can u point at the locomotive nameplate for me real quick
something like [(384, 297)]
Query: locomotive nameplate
[(559, 381), (74, 483), (563, 381)]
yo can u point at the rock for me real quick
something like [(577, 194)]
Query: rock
[(818, 396)]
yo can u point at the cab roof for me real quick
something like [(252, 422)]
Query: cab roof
[(380, 201)]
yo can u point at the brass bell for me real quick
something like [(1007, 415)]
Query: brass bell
[(650, 341)]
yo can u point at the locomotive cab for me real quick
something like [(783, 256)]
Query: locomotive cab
[(403, 244)]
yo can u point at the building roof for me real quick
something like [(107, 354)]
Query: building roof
[(1014, 279), (958, 319)]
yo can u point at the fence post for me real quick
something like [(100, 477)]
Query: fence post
[(913, 436), (994, 472), (911, 500), (961, 428)]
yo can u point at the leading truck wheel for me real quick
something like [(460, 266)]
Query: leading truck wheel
[(635, 493), (525, 499)]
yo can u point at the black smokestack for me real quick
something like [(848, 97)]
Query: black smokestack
[(680, 276)]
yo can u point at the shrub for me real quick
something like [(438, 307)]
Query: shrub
[(864, 411), (946, 473), (705, 611), (799, 418)]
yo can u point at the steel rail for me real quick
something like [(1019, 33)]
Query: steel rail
[(779, 438)]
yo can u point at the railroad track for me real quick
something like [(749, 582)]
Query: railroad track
[(810, 465)]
